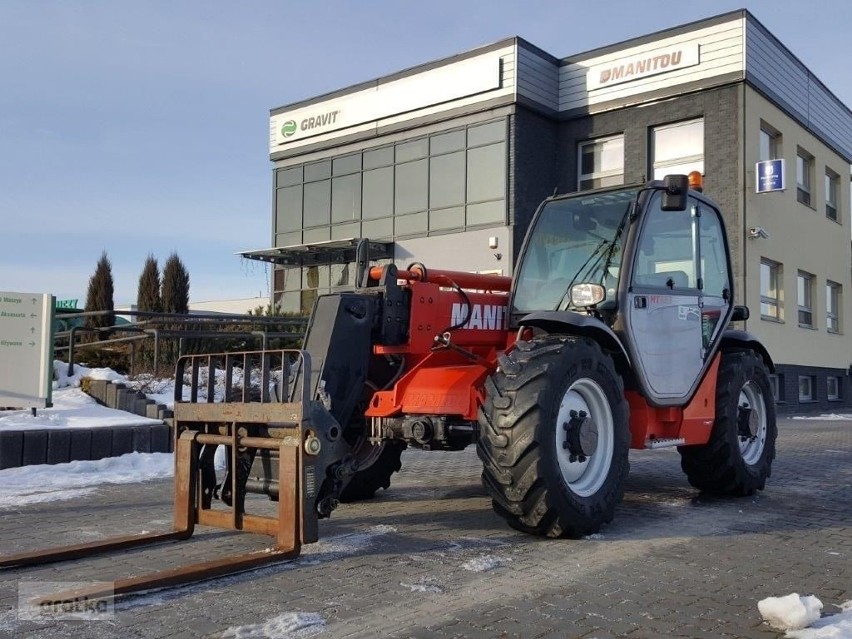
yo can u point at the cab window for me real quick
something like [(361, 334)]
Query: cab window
[(665, 258)]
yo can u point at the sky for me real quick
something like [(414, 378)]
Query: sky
[(141, 128)]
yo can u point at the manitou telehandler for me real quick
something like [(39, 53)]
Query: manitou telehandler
[(614, 334)]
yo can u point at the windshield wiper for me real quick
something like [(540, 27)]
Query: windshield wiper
[(612, 248), (587, 269)]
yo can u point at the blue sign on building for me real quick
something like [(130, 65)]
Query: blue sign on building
[(770, 176)]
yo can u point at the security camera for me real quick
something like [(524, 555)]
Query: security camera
[(757, 232)]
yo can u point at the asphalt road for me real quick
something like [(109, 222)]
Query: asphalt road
[(428, 558)]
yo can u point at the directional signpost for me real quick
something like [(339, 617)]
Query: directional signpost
[(26, 350)]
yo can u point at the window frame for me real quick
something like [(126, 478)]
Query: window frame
[(775, 387), (692, 162), (833, 298), (832, 184), (773, 142), (838, 386), (605, 176), (776, 269), (804, 177), (809, 396), (805, 298)]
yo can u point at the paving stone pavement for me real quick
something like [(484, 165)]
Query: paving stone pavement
[(428, 558)]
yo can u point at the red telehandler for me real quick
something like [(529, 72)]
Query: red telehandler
[(614, 334)]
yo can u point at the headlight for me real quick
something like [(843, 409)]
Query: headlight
[(587, 295)]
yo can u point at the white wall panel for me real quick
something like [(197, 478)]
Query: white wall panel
[(720, 53), (456, 84)]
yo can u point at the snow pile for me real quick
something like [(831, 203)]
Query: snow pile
[(289, 625), (162, 391), (791, 612), (63, 380), (485, 563), (43, 483), (72, 408)]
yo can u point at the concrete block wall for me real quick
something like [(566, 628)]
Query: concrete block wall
[(61, 445)]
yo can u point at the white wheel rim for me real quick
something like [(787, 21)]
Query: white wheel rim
[(751, 448), (585, 478)]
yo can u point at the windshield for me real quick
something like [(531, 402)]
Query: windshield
[(574, 240)]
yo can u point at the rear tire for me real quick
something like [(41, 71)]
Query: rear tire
[(537, 484), (365, 483), (738, 458)]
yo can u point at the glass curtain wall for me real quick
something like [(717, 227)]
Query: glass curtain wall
[(441, 183)]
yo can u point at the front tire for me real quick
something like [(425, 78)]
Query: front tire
[(738, 458), (554, 437)]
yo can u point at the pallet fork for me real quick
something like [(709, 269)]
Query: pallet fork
[(285, 428)]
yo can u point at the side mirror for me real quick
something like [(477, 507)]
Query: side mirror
[(740, 314), (674, 195)]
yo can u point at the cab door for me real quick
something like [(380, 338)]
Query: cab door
[(672, 322)]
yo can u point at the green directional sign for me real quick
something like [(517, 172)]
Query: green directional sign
[(26, 349)]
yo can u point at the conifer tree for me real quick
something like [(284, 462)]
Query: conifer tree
[(100, 294), (175, 287), (148, 297)]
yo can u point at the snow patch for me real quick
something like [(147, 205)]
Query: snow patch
[(834, 627), (474, 543), (791, 612), (55, 482), (72, 408), (345, 545), (832, 417), (9, 622), (423, 586), (312, 555), (485, 563), (288, 625)]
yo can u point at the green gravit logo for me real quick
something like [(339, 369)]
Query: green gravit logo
[(288, 128)]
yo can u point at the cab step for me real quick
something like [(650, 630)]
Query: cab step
[(655, 443)]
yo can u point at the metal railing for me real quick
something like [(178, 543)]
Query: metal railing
[(156, 327)]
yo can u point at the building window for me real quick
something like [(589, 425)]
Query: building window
[(770, 143), (677, 148), (832, 387), (776, 383), (770, 287), (806, 388), (804, 297), (833, 292), (601, 163), (831, 182), (804, 171)]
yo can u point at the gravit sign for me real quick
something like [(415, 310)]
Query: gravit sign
[(362, 109), (642, 65), (26, 349), (313, 123)]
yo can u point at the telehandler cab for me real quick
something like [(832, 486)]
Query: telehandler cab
[(614, 334)]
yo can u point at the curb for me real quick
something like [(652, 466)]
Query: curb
[(62, 445)]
